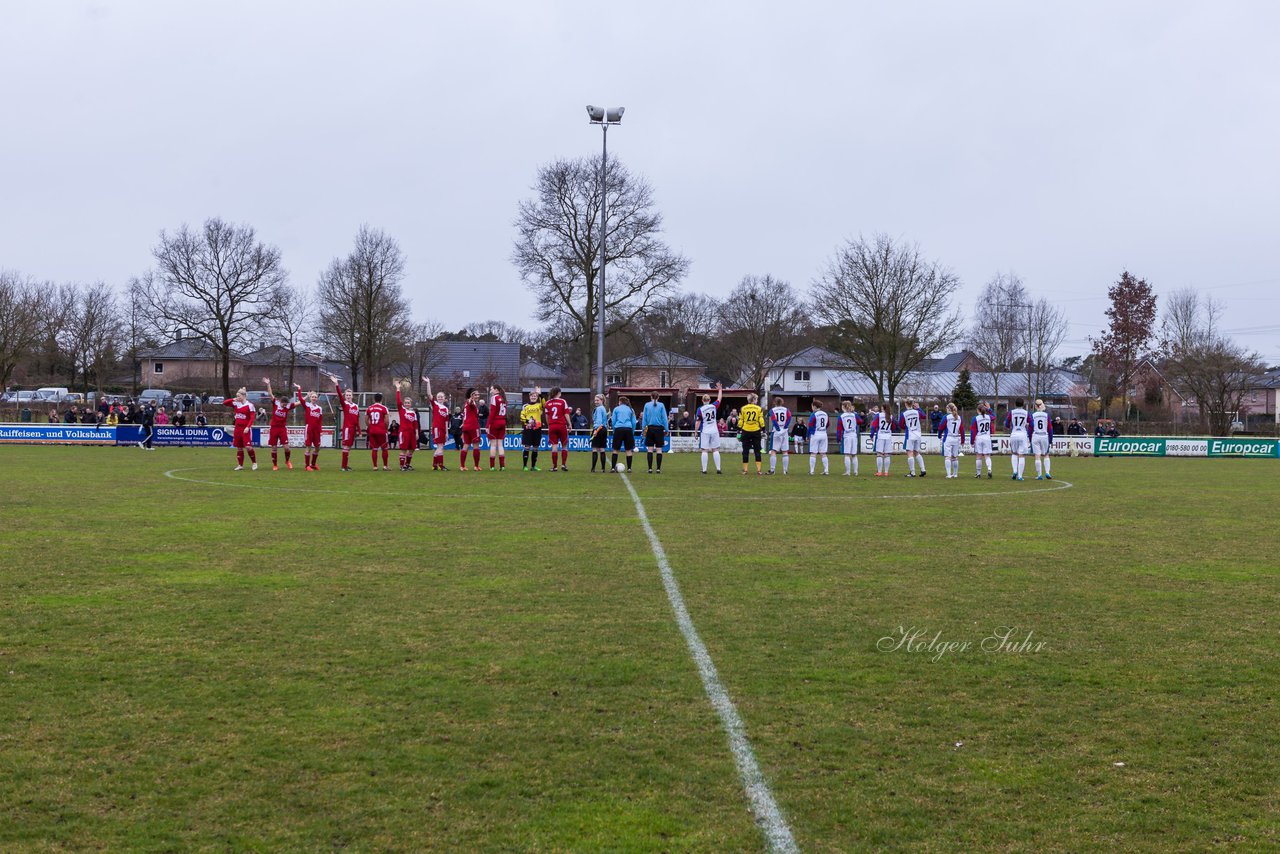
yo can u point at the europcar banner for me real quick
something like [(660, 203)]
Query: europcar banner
[(57, 434), (131, 434), (1243, 447), (1133, 446)]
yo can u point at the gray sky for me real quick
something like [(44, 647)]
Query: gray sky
[(1064, 141)]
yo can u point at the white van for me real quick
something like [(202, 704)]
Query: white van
[(52, 394)]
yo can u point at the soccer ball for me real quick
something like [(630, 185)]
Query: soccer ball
[(620, 468)]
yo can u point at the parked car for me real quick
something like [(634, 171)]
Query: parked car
[(214, 400), (52, 394), (74, 397), (155, 396), (258, 398)]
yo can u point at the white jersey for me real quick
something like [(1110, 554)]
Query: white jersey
[(848, 432), (951, 435), (1017, 421), (982, 433), (707, 415), (818, 432), (911, 423), (1040, 424)]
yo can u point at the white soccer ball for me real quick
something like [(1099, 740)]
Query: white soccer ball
[(620, 468)]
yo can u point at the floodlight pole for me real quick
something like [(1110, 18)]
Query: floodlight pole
[(604, 118)]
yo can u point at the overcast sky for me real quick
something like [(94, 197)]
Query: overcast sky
[(1066, 142)]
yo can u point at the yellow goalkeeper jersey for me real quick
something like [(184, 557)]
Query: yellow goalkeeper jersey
[(751, 418), (531, 415)]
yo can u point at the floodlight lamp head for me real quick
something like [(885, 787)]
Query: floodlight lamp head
[(614, 115), (595, 113)]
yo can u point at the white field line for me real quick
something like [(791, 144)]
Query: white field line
[(766, 810), (175, 474)]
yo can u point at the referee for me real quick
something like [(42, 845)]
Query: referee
[(654, 422), (751, 423)]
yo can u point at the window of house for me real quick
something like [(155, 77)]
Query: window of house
[(613, 379), (158, 367), (664, 379), (802, 376)]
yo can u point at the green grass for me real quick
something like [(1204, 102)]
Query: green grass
[(386, 661)]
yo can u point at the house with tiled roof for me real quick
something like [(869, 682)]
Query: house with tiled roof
[(187, 363), (657, 369)]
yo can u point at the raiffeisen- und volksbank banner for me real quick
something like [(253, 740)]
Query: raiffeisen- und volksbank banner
[(57, 434)]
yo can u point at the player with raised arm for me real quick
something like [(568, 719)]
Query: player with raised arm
[(407, 415), (818, 422), (882, 439), (557, 411), (623, 418), (349, 420), (751, 425), (780, 435), (313, 416), (707, 427), (653, 424), (599, 434), (281, 406), (909, 423), (847, 427), (242, 430), (949, 431), (470, 430), (439, 426), (496, 427), (980, 438), (1041, 440), (531, 415), (1019, 440)]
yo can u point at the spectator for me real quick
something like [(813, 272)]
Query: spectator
[(53, 417), (799, 432), (88, 416), (1075, 428), (1057, 425), (455, 426), (579, 420), (72, 416), (113, 417), (162, 417), (686, 421), (935, 419), (1099, 430), (721, 425), (179, 419), (1113, 431), (732, 422), (104, 406), (201, 421), (393, 433)]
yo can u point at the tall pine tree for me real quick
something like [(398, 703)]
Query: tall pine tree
[(963, 395)]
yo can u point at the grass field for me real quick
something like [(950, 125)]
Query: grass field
[(387, 661)]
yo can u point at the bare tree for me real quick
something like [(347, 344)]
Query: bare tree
[(557, 249), (218, 284), (762, 321), (293, 321), (1046, 326), (90, 332), (363, 312), (997, 336), (427, 354), (886, 308), (1199, 358), (678, 326), (138, 329), (494, 330), (23, 303)]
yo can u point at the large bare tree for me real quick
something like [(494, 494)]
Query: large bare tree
[(363, 310), (997, 335), (218, 283), (23, 303), (1203, 361), (293, 326), (557, 249), (886, 308), (1046, 330), (427, 353), (91, 332), (762, 321), (683, 325)]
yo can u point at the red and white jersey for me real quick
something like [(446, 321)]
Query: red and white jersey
[(497, 411), (280, 412), (557, 412), (312, 411), (350, 411), (439, 416), (408, 417), (470, 416), (378, 418), (244, 412)]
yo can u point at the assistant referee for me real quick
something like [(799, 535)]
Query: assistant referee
[(751, 423)]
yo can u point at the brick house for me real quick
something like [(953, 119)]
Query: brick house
[(658, 369), (188, 364)]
